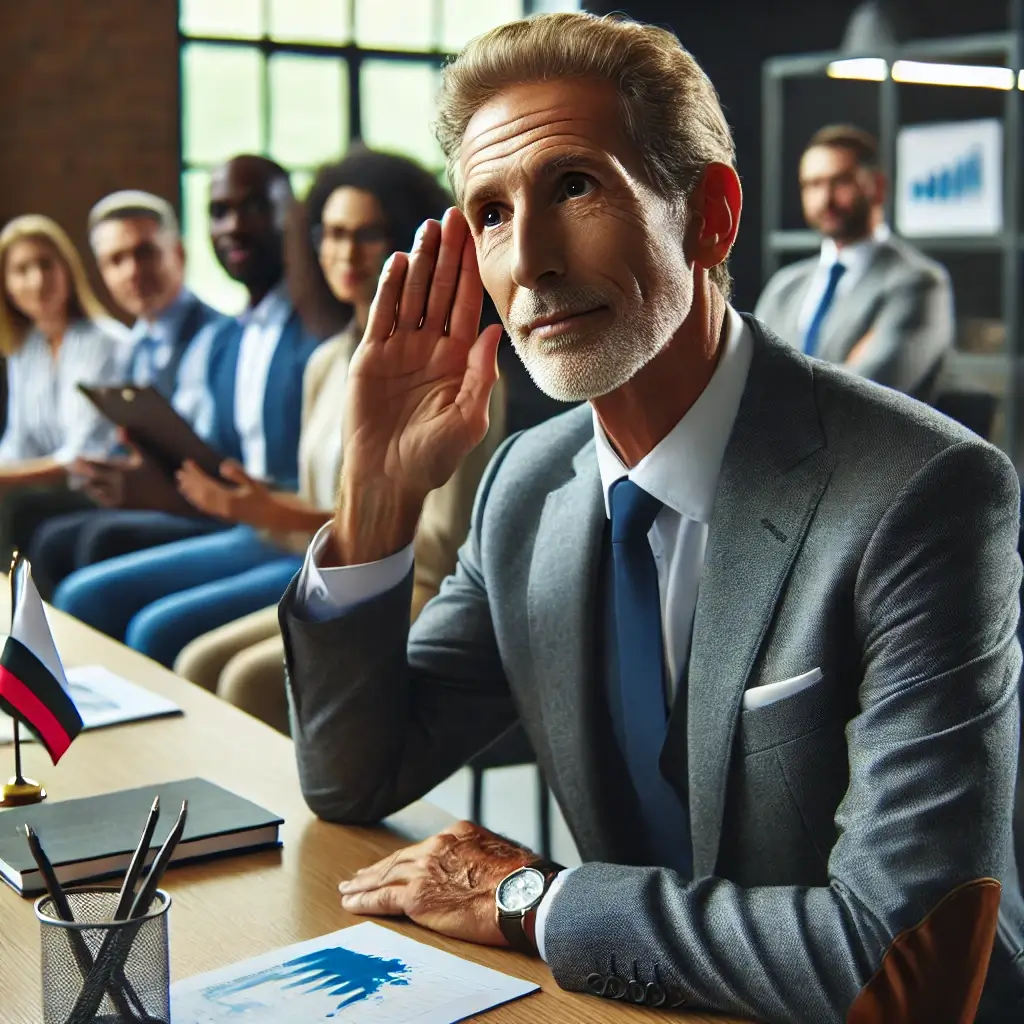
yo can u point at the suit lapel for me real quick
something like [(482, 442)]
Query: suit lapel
[(563, 616), (773, 474), (851, 315), (794, 305), (791, 301)]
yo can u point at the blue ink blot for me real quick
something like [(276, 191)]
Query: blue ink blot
[(339, 972)]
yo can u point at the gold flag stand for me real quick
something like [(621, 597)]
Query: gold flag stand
[(19, 791)]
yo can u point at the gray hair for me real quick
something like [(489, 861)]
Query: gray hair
[(134, 203)]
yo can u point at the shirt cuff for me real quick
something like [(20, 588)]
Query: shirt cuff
[(545, 905), (323, 594)]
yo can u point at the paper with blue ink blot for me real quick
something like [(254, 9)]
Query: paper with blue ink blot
[(365, 974)]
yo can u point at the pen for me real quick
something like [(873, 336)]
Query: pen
[(127, 893)]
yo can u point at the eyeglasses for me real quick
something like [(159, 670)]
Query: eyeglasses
[(335, 234)]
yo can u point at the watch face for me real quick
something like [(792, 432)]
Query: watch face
[(520, 890)]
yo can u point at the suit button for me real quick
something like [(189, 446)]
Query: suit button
[(654, 994)]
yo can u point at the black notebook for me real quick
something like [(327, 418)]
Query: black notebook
[(94, 838)]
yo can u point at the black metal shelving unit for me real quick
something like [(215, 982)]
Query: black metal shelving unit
[(999, 372)]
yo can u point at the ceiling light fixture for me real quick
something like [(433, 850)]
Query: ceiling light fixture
[(968, 75), (865, 69)]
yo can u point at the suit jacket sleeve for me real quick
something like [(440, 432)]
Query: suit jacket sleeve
[(381, 713), (932, 754), (913, 329)]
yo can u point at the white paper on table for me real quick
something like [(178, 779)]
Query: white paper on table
[(102, 699), (365, 974)]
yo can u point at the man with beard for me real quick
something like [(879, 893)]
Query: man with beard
[(773, 692), (870, 301)]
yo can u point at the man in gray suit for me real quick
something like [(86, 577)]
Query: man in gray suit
[(869, 301), (773, 692)]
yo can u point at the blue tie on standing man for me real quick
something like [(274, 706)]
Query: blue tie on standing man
[(813, 335)]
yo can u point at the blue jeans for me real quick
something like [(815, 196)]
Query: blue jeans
[(160, 599)]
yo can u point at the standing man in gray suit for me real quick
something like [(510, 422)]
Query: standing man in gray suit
[(773, 692), (869, 301)]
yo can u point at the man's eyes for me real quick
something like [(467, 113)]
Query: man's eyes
[(490, 216), (572, 186), (575, 186)]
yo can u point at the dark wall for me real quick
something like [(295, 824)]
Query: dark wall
[(88, 104), (731, 40)]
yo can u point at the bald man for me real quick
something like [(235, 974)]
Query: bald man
[(260, 356)]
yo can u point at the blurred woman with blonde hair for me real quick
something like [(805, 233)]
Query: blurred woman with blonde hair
[(54, 334)]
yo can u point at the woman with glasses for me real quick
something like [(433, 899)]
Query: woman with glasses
[(356, 214)]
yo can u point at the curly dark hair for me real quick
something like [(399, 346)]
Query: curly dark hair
[(408, 195)]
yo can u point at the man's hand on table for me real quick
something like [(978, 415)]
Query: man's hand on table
[(446, 883)]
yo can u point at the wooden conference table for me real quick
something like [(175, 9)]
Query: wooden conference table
[(239, 907)]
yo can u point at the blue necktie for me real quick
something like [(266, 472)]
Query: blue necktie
[(641, 676), (835, 272), (145, 368)]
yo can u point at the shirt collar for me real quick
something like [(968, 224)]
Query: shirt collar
[(682, 470), (163, 326), (272, 310), (857, 255)]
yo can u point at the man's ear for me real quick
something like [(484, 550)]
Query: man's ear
[(715, 205)]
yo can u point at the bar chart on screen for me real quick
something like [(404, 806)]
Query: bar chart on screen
[(365, 974)]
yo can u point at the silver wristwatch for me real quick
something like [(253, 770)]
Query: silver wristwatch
[(517, 897)]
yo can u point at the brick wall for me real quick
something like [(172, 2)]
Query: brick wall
[(88, 104)]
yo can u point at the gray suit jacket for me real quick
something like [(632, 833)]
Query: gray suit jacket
[(904, 298), (853, 531)]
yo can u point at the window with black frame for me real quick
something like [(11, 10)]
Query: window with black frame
[(297, 80)]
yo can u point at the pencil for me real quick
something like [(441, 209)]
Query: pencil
[(127, 893), (145, 896)]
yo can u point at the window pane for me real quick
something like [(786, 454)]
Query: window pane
[(301, 180), (461, 20), (230, 19), (221, 90), (203, 273), (310, 21), (395, 25), (308, 109), (398, 109)]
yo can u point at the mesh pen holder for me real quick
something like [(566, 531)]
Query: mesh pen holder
[(129, 980)]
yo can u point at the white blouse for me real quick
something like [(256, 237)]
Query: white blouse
[(47, 416)]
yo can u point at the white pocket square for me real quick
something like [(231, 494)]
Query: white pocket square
[(769, 693)]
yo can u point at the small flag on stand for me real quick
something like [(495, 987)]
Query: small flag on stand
[(33, 687)]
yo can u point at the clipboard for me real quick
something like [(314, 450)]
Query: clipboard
[(154, 425)]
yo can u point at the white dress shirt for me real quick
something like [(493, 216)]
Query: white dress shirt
[(46, 413), (264, 325), (856, 258), (681, 471), (191, 398)]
